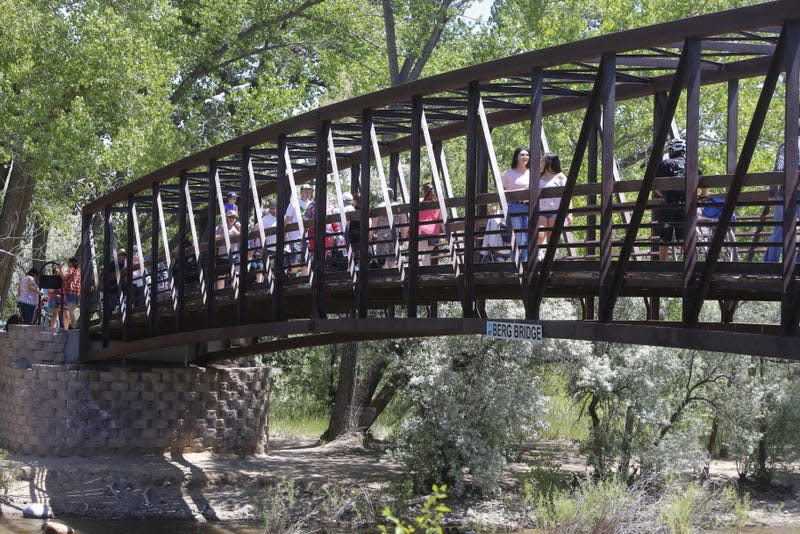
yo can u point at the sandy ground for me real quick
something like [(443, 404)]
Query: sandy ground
[(204, 486)]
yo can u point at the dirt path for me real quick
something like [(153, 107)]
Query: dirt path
[(204, 486)]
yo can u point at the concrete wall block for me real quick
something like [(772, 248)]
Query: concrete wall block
[(189, 396), (129, 396), (181, 386), (109, 395), (140, 385), (118, 443), (106, 376), (120, 386), (148, 396)]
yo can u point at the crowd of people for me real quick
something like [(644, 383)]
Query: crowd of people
[(59, 300)]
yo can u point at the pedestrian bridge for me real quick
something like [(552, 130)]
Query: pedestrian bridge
[(188, 290)]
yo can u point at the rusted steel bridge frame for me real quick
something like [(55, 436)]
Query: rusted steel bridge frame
[(184, 306)]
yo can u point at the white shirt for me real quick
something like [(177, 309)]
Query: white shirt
[(270, 221), (514, 180), (551, 203), (291, 216)]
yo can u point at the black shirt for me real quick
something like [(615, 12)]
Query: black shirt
[(673, 167)]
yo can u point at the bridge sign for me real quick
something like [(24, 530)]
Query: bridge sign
[(514, 331)]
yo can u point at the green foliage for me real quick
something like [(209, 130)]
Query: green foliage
[(687, 507), (542, 485), (473, 400), (275, 506), (562, 416), (429, 521), (302, 382), (612, 506), (595, 507)]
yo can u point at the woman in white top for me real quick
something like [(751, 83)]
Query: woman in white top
[(515, 178), (551, 176), (28, 295)]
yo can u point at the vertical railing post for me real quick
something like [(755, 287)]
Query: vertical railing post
[(129, 297), (468, 278), (692, 178), (790, 300), (413, 213), (280, 232), (87, 261), (608, 102), (320, 224), (591, 218), (108, 302), (732, 137), (155, 221), (211, 246), (534, 188), (180, 319), (394, 175), (364, 234), (244, 236)]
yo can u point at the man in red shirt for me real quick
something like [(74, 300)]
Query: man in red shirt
[(71, 289)]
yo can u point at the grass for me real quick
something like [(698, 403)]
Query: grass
[(562, 417), (297, 427)]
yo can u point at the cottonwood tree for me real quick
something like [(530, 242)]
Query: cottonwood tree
[(81, 92)]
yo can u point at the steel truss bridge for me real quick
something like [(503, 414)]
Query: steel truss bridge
[(194, 296)]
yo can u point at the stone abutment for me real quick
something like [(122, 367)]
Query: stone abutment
[(55, 408)]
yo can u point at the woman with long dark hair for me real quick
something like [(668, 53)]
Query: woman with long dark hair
[(515, 178), (550, 176)]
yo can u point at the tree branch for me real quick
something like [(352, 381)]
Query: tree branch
[(213, 61)]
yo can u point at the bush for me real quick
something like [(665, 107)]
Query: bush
[(473, 400), (429, 521)]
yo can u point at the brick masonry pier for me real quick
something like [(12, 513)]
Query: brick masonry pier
[(56, 408)]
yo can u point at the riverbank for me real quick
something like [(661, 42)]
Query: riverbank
[(343, 483)]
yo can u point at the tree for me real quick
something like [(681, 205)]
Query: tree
[(81, 96), (473, 399)]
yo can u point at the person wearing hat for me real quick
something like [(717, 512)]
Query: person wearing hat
[(230, 201), (670, 214), (347, 200), (306, 192), (234, 230)]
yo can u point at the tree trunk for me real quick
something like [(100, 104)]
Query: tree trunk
[(625, 448), (41, 231), (341, 420), (369, 380), (12, 223)]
